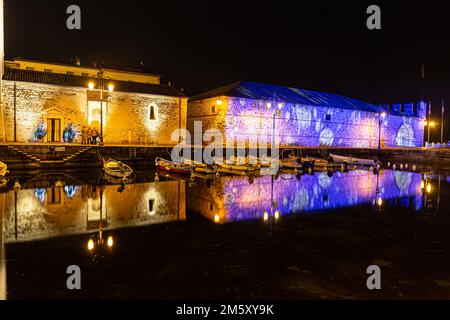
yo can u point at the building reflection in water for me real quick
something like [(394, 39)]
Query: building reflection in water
[(41, 213), (235, 199)]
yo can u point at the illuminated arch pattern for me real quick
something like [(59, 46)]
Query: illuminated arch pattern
[(326, 137), (405, 136)]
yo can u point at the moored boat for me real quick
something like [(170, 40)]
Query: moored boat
[(172, 167), (200, 167), (236, 165), (334, 158), (3, 169), (116, 168)]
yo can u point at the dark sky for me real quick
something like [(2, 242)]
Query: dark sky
[(200, 45)]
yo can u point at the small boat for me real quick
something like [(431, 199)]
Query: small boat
[(334, 158), (263, 162), (297, 163), (171, 175), (200, 167), (116, 168), (236, 167), (3, 169), (318, 162), (172, 167)]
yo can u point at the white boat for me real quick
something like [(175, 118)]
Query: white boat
[(116, 168), (235, 164), (3, 169), (200, 167), (350, 160)]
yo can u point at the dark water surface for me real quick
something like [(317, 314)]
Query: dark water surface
[(289, 237)]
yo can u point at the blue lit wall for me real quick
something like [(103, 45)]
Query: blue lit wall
[(251, 120)]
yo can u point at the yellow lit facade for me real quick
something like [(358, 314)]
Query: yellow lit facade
[(131, 106)]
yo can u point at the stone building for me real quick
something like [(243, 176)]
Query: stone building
[(253, 112), (138, 110)]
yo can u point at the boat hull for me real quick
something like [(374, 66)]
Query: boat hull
[(351, 160)]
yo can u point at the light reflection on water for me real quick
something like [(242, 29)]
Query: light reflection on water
[(234, 199), (43, 211)]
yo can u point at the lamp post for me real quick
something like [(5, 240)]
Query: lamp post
[(276, 112), (381, 117), (430, 125), (101, 89)]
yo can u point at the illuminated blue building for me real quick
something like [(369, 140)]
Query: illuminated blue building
[(248, 112)]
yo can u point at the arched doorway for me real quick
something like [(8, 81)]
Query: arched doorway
[(405, 136)]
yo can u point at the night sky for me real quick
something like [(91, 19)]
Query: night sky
[(201, 45)]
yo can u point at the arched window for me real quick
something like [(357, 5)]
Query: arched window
[(405, 136), (152, 115)]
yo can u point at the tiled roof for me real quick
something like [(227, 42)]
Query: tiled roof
[(67, 80), (259, 91)]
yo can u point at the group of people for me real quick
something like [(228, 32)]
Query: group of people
[(89, 135)]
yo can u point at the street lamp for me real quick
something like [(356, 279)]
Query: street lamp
[(430, 124), (101, 88), (276, 112), (381, 117)]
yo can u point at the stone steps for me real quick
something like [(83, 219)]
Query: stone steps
[(76, 154), (27, 156), (24, 154)]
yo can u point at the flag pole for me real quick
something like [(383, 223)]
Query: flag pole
[(429, 120), (442, 123)]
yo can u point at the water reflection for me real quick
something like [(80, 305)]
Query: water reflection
[(234, 199), (45, 212)]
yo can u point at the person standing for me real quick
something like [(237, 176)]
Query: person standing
[(89, 135), (83, 135)]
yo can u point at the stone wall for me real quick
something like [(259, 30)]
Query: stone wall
[(301, 125), (126, 115), (202, 111)]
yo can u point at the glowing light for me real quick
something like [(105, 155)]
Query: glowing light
[(265, 216), (425, 123), (383, 115), (277, 215), (110, 241), (268, 105), (280, 105), (432, 124), (422, 184), (216, 218), (111, 87), (91, 86), (428, 188), (219, 102), (90, 245), (379, 201)]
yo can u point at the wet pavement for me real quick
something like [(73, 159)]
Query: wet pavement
[(286, 237)]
